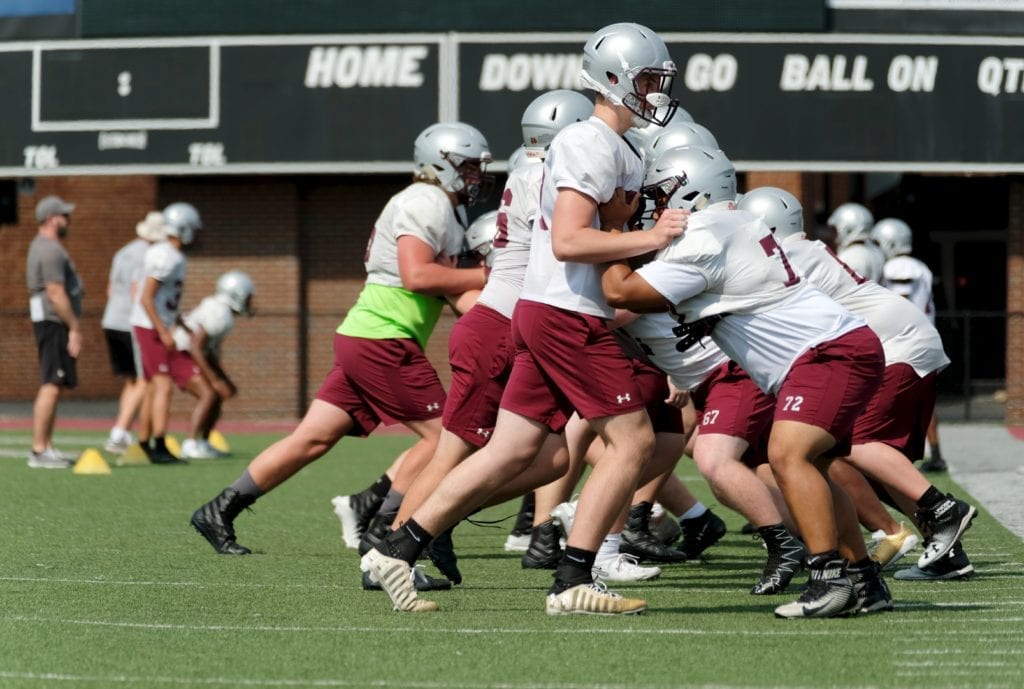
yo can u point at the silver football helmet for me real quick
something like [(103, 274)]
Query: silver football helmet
[(547, 114), (780, 210), (678, 134), (182, 220), (691, 178), (235, 288), (894, 237), (630, 66), (852, 223), (456, 155), (481, 233), (519, 158)]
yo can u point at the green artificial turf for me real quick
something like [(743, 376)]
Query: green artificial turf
[(103, 583)]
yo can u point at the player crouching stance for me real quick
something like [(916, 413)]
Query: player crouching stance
[(727, 278), (200, 335)]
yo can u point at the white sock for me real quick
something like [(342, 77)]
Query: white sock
[(697, 510), (609, 547), (117, 434)]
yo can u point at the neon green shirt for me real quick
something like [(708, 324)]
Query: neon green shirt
[(384, 313)]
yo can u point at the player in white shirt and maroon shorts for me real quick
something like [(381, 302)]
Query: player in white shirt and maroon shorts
[(480, 347), (566, 357), (727, 278), (380, 370), (892, 428), (154, 317)]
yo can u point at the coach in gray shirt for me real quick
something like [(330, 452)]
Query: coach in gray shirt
[(55, 305)]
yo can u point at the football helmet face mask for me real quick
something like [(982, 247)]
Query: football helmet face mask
[(235, 288), (780, 210), (456, 155), (852, 223), (630, 66), (547, 114), (894, 237), (689, 177), (182, 220)]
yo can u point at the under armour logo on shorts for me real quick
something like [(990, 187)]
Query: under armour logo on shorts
[(484, 432), (433, 406), (622, 398)]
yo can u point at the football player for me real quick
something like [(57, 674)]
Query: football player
[(566, 356), (726, 278), (380, 369), (200, 334), (891, 429), (912, 279), (121, 291), (154, 317), (852, 223), (480, 348)]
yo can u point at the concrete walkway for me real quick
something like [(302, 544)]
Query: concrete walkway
[(989, 463)]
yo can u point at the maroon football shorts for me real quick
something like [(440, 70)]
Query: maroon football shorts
[(381, 380), (729, 403), (899, 413), (158, 360), (567, 361), (481, 351)]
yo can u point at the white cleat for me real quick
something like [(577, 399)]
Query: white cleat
[(623, 568), (592, 599), (396, 578)]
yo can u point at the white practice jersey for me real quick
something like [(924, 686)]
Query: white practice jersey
[(511, 250), (592, 159), (867, 258), (214, 316), (727, 276), (688, 369), (907, 336), (125, 269), (911, 279), (422, 211), (167, 265)]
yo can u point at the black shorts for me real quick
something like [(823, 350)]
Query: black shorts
[(122, 353), (55, 364)]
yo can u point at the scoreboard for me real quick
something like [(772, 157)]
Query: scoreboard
[(311, 104), (353, 104)]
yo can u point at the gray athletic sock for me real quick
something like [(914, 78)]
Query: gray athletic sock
[(246, 486), (392, 502)]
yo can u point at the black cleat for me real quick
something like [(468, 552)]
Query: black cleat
[(355, 513), (638, 541), (215, 521), (785, 558), (955, 565), (700, 533), (873, 593), (943, 524), (441, 552), (934, 465), (829, 593), (544, 551), (380, 527)]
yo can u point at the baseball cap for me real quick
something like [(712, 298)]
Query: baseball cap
[(52, 205)]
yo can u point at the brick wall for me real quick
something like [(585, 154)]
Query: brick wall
[(1015, 306), (302, 240), (107, 210)]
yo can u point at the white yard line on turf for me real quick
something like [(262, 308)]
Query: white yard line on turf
[(794, 631), (330, 682)]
